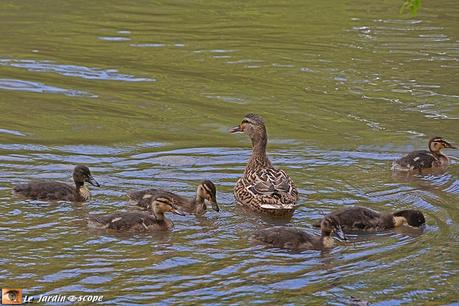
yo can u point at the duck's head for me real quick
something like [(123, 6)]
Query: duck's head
[(413, 217), (329, 225), (82, 174), (162, 205), (436, 144), (207, 191), (253, 125)]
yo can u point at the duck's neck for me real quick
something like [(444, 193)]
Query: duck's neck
[(327, 240), (159, 216), (259, 159), (82, 192), (199, 204)]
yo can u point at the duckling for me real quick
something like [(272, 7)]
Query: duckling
[(363, 219), (263, 188), (424, 159), (56, 191), (206, 191), (138, 221), (296, 239)]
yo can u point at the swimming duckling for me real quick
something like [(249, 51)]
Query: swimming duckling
[(56, 191), (296, 239), (263, 188), (424, 159), (205, 191), (363, 219), (138, 221)]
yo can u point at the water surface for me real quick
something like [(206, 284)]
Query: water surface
[(144, 93)]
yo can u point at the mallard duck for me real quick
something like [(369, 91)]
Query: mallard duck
[(138, 221), (363, 219), (297, 239), (205, 191), (263, 188), (424, 159), (56, 191)]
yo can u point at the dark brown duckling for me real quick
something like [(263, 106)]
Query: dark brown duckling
[(205, 191), (138, 221), (418, 160), (296, 239), (363, 219), (56, 191)]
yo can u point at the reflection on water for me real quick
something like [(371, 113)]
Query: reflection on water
[(144, 93)]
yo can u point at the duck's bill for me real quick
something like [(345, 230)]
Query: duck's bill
[(93, 182), (448, 145), (177, 212), (215, 206), (340, 233), (236, 129)]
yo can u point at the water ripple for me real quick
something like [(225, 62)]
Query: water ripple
[(73, 70)]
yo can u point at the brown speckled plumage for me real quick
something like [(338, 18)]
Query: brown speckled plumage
[(423, 159), (363, 219), (206, 191), (263, 188), (56, 191)]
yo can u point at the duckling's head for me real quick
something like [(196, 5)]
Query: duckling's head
[(330, 225), (413, 217), (82, 174), (206, 190), (162, 205), (253, 125), (436, 144)]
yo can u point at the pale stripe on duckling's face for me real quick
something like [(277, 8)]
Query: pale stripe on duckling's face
[(399, 221)]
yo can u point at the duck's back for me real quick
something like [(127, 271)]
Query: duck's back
[(267, 187), (361, 219), (416, 160), (287, 238), (128, 222), (143, 199), (51, 191)]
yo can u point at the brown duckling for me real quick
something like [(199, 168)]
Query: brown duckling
[(138, 221), (205, 191), (363, 219), (424, 159), (56, 191), (296, 239), (263, 188)]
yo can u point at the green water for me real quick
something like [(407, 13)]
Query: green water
[(144, 92)]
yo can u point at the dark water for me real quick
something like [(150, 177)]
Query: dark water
[(144, 93)]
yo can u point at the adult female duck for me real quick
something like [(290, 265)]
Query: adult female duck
[(419, 160), (263, 188)]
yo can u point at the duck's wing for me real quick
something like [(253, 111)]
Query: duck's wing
[(357, 218), (284, 237), (144, 198), (122, 221), (415, 160), (272, 187), (42, 190)]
